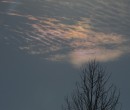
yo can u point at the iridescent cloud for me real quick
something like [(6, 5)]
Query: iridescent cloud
[(67, 39)]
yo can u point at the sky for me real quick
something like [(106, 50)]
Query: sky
[(43, 43)]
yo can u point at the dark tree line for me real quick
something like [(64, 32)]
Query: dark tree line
[(94, 92)]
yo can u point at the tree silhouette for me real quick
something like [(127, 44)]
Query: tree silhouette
[(93, 92)]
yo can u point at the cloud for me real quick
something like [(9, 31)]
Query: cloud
[(81, 56), (8, 1), (69, 39)]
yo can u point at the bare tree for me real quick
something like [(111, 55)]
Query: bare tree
[(93, 92)]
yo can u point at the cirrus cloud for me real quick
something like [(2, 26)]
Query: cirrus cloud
[(69, 39)]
